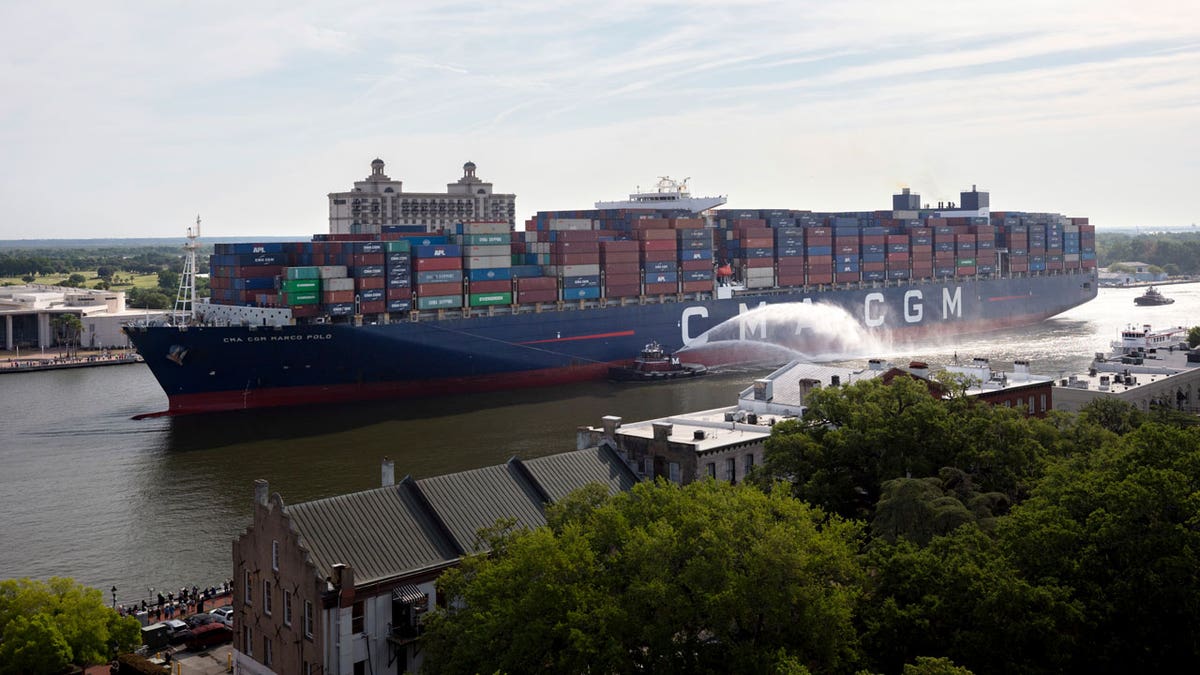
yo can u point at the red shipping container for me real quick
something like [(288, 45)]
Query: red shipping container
[(360, 259), (696, 286), (692, 265), (760, 262), (921, 256), (574, 259), (540, 295), (622, 268), (650, 224), (873, 267), (329, 297), (659, 245), (820, 260), (435, 264), (575, 247), (819, 232), (790, 279), (623, 279), (374, 307), (846, 249), (662, 289), (790, 265), (621, 256), (301, 311), (761, 242), (537, 284), (369, 283), (813, 240), (431, 290), (846, 277), (661, 256), (493, 286), (622, 291), (399, 293), (965, 271), (820, 277), (618, 246)]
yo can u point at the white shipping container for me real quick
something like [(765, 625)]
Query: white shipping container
[(331, 271), (760, 283), (571, 224), (580, 270), (486, 228), (760, 273), (338, 284), (486, 251), (485, 261)]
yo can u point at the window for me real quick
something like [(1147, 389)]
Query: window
[(248, 640), (266, 651), (711, 469), (673, 472), (1043, 403), (731, 470), (275, 555), (267, 596), (287, 608), (249, 589), (360, 668), (308, 619), (356, 618), (749, 463)]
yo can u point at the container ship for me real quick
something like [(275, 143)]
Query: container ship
[(478, 305)]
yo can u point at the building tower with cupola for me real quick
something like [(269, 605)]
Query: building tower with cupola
[(378, 200)]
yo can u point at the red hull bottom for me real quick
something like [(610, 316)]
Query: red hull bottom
[(266, 398)]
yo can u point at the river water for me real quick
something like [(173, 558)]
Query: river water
[(90, 493)]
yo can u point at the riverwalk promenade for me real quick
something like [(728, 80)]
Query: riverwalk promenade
[(11, 363)]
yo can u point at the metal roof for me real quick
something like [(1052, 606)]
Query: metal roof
[(388, 532), (377, 532), (560, 475)]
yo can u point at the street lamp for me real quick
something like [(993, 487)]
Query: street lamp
[(114, 592)]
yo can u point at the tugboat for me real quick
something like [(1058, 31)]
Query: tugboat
[(654, 365), (1152, 297)]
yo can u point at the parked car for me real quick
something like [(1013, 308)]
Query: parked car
[(196, 620), (224, 615), (209, 634), (179, 631)]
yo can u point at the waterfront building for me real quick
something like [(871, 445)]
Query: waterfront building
[(337, 586), (1147, 368), (28, 313), (377, 201)]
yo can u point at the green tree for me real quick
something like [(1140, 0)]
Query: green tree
[(68, 328), (927, 665), (1121, 527), (1113, 414), (92, 632), (1193, 336), (920, 508), (853, 439), (29, 278), (33, 645), (168, 281), (711, 577), (142, 298), (961, 598), (76, 280)]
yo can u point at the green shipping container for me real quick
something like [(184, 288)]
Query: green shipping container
[(486, 239), (304, 273), (398, 246), (485, 299), (301, 285), (439, 302), (300, 298), (966, 262)]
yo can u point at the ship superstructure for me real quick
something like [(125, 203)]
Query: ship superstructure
[(667, 194)]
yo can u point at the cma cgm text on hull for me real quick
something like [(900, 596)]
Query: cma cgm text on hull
[(378, 309)]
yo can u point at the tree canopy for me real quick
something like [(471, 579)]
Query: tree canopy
[(45, 625), (708, 578)]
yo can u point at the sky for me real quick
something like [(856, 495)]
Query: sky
[(129, 118)]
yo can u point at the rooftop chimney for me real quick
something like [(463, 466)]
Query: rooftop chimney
[(388, 472), (260, 492), (662, 430), (610, 423), (875, 364), (763, 390), (835, 380)]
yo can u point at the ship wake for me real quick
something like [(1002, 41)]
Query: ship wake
[(778, 333)]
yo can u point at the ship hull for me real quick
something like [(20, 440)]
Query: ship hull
[(204, 368)]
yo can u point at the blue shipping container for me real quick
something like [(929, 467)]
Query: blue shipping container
[(490, 274), (399, 305), (590, 281), (370, 295), (438, 251), (698, 254), (581, 293), (440, 277)]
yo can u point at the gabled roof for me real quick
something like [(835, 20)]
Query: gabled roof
[(398, 530)]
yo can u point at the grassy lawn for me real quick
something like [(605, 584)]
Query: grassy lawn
[(138, 280)]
